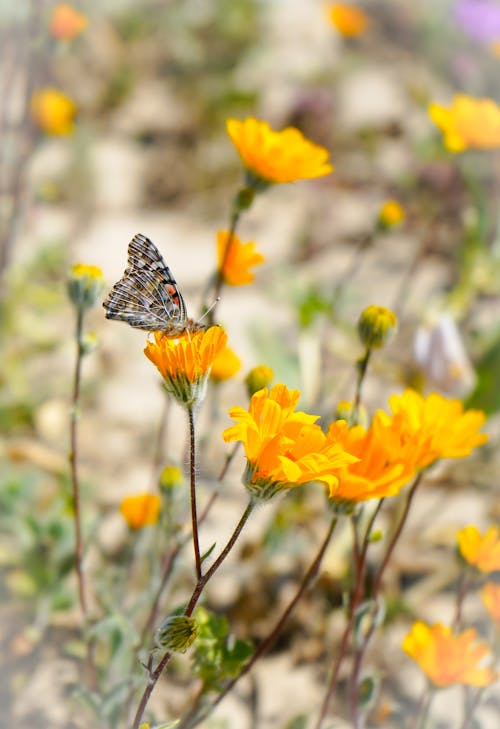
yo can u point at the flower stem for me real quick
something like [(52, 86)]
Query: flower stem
[(73, 460), (219, 274), (362, 368), (192, 479)]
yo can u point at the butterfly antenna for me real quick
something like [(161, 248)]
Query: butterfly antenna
[(207, 312)]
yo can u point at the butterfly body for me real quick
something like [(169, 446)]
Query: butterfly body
[(147, 296)]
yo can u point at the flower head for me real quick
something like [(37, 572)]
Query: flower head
[(141, 510), (85, 285), (391, 214), (468, 123), (236, 259), (170, 477), (448, 659), (490, 595), (176, 633), (66, 22), (480, 19), (480, 550), (184, 362), (284, 447), (376, 326), (53, 111), (258, 377), (284, 156), (347, 19), (225, 365)]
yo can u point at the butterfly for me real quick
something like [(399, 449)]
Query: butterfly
[(147, 296)]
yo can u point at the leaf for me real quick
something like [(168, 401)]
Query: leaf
[(208, 552)]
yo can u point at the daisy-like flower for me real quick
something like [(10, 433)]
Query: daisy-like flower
[(53, 111), (423, 429), (141, 510), (284, 447), (271, 156), (391, 214), (379, 472), (225, 365), (184, 362), (347, 19), (480, 550), (235, 259), (490, 595), (468, 123), (66, 22), (448, 659)]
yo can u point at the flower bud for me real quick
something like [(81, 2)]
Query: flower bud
[(376, 326), (391, 214), (85, 285), (258, 377), (176, 633), (170, 477), (351, 414)]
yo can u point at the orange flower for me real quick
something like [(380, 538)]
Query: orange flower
[(53, 111), (448, 659), (379, 472), (421, 430), (184, 362), (468, 123), (347, 19), (225, 365), (284, 156), (391, 214), (141, 510), (490, 595), (284, 448), (482, 551), (66, 22), (236, 259)]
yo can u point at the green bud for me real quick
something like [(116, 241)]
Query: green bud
[(176, 633), (258, 377), (85, 285), (376, 326)]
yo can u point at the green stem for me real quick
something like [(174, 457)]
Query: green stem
[(192, 480)]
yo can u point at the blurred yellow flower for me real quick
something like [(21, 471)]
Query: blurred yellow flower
[(225, 365), (376, 326), (284, 156), (236, 258), (284, 448), (490, 595), (141, 510), (480, 550), (448, 659), (391, 213), (53, 111), (258, 377), (468, 123), (85, 285), (347, 19), (170, 477), (184, 362), (66, 22)]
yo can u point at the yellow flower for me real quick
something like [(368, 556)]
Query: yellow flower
[(480, 550), (85, 285), (236, 259), (66, 22), (225, 365), (468, 123), (284, 156), (185, 362), (448, 659), (170, 477), (421, 430), (379, 472), (391, 213), (141, 510), (284, 448), (258, 377), (490, 595), (347, 19), (376, 326), (53, 111)]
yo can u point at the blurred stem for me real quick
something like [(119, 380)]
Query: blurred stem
[(192, 480), (219, 274), (462, 590), (154, 674), (362, 366), (275, 632), (73, 459), (471, 705), (422, 710)]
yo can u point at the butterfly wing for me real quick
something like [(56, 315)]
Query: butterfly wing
[(147, 296)]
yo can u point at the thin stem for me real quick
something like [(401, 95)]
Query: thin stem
[(462, 590), (273, 635), (362, 368), (422, 710), (155, 674), (192, 479), (73, 459), (470, 708), (219, 274)]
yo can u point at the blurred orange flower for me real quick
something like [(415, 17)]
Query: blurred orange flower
[(468, 123), (490, 595), (391, 214), (225, 365), (448, 659), (480, 550), (284, 156), (66, 22), (53, 112), (347, 19), (141, 510), (236, 258)]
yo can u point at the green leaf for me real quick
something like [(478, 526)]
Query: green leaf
[(208, 552)]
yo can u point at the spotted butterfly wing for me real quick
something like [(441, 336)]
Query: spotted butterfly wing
[(147, 296)]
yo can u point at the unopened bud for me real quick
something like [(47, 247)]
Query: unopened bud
[(176, 633), (376, 326)]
